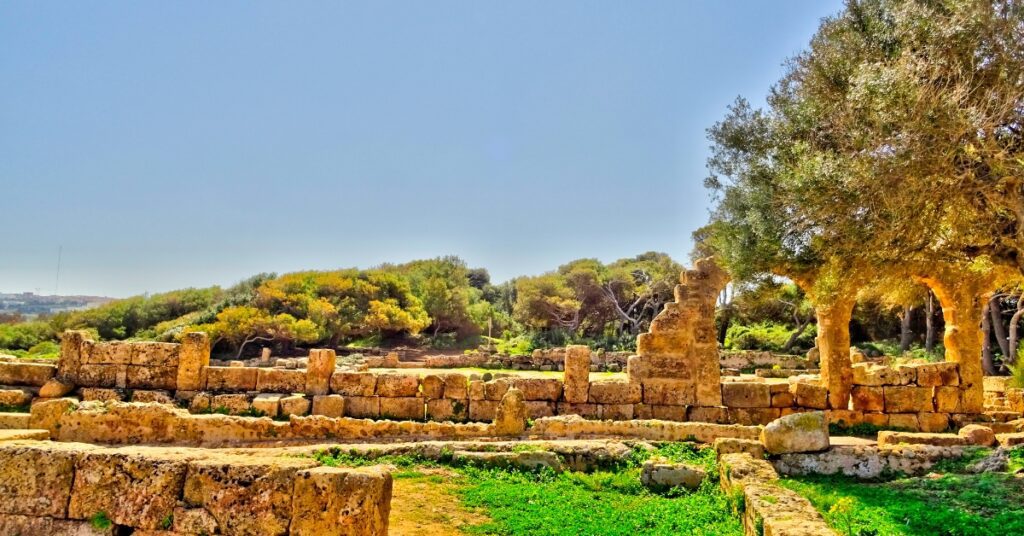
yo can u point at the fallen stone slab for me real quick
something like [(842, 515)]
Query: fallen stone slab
[(529, 460), (799, 432), (14, 435), (661, 474)]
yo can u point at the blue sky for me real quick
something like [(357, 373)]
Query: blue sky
[(174, 144)]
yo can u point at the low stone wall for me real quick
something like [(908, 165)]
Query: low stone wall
[(71, 488), (868, 461), (913, 397), (747, 360)]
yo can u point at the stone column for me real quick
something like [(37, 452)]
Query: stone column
[(319, 368), (577, 374), (71, 347), (193, 358), (834, 349)]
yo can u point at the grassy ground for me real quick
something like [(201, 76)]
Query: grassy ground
[(509, 503), (951, 504)]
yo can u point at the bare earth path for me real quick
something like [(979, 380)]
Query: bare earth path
[(424, 503)]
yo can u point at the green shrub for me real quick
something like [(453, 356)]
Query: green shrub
[(767, 336)]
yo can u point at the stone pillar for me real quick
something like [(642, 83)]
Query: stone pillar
[(577, 374), (193, 358), (834, 349), (71, 348), (265, 356), (510, 416), (319, 368)]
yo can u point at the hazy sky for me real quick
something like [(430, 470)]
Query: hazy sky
[(174, 144)]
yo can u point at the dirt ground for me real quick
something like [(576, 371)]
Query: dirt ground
[(424, 502)]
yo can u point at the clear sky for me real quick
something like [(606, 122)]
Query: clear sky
[(174, 144)]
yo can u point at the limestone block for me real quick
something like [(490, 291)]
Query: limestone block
[(937, 374), (538, 388), (158, 397), (754, 416), (809, 395), (615, 392), (746, 395), (868, 398), (891, 438), (783, 400), (354, 383), (709, 414), (996, 384), (535, 409), (906, 375), (845, 417), (139, 377), (329, 405), (32, 374), (456, 386), (294, 405), (1010, 440), (15, 397), (200, 403), (495, 389), (740, 470), (904, 421), (319, 369), (800, 432), (97, 394), (947, 399), (587, 411), (446, 409), (673, 344), (907, 399), (397, 385), (477, 390), (35, 479), (660, 473), (510, 415), (270, 380), (483, 410), (267, 404), (55, 389), (110, 353), (668, 392), (732, 445), (48, 526), (635, 369), (577, 373), (193, 360), (1015, 400), (232, 404), (16, 421), (976, 434), (362, 407), (617, 412), (99, 375), (154, 354), (331, 501), (237, 379), (433, 386), (194, 521), (874, 375), (880, 420), (667, 413), (132, 489), (71, 343), (402, 408), (246, 495), (780, 511), (46, 415), (933, 422)]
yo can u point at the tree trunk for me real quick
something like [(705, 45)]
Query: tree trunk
[(794, 336), (929, 322), (906, 335), (995, 311), (834, 348), (987, 361), (1011, 356), (723, 328)]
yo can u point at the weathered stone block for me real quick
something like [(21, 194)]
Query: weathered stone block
[(615, 392), (99, 394), (809, 395), (667, 413), (132, 489), (35, 480), (880, 420), (294, 405), (619, 412), (46, 415), (511, 414), (482, 410), (397, 385), (354, 383), (456, 386), (709, 414), (55, 389), (319, 369), (937, 374), (732, 445), (329, 405), (536, 409), (269, 380), (401, 408), (151, 377), (947, 399), (245, 495), (432, 386), (31, 525), (904, 421), (754, 416), (193, 360), (99, 375), (267, 404), (907, 399), (110, 353), (801, 432), (668, 392), (154, 354), (868, 398), (549, 389), (16, 421), (362, 407), (577, 374), (663, 474), (237, 379), (495, 389), (445, 409), (71, 343), (334, 501), (33, 374), (232, 404), (746, 395), (874, 375), (158, 397), (933, 422), (15, 397), (975, 434), (783, 400), (194, 521), (845, 417), (477, 390), (587, 411)]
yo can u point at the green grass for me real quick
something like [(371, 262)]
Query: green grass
[(607, 502), (951, 505)]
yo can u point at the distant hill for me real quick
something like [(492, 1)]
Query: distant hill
[(29, 304)]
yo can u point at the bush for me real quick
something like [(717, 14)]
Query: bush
[(25, 335), (767, 336)]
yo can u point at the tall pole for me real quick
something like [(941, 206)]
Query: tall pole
[(56, 286)]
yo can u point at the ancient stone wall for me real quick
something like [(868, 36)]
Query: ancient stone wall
[(73, 488), (915, 397)]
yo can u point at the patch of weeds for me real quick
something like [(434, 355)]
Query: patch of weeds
[(959, 465), (8, 408), (219, 410), (861, 430), (167, 521), (100, 521), (253, 412), (1016, 456), (527, 447)]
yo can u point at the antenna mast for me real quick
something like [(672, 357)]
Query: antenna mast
[(56, 286)]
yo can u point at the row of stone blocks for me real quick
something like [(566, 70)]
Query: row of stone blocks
[(71, 488), (919, 388)]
